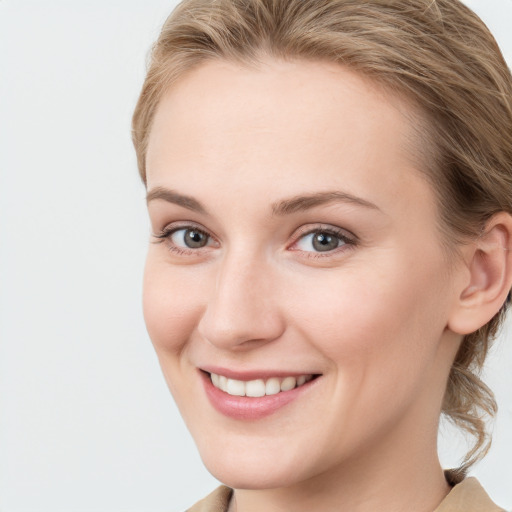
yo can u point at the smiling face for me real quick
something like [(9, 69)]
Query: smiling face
[(296, 258)]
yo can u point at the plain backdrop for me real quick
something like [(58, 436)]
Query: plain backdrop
[(86, 421)]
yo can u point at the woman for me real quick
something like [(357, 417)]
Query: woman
[(330, 194)]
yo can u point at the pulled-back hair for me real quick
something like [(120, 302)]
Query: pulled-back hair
[(435, 53)]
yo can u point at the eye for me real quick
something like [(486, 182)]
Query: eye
[(322, 240), (185, 240), (189, 238), (319, 241)]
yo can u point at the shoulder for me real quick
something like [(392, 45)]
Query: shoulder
[(468, 496), (217, 501)]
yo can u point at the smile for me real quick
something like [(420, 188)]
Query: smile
[(254, 395), (258, 387)]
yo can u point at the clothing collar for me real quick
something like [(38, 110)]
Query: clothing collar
[(468, 495)]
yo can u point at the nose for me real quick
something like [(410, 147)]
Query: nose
[(242, 310)]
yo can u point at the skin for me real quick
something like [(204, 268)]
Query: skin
[(371, 316)]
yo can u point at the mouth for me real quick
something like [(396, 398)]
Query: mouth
[(254, 395), (259, 387)]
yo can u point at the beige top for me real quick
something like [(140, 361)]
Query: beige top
[(468, 496)]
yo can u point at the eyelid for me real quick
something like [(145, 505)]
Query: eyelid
[(327, 228), (171, 228)]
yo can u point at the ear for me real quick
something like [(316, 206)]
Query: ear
[(488, 276)]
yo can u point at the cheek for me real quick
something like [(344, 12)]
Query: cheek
[(380, 337), (373, 318), (171, 304)]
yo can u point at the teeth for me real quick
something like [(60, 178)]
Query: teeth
[(235, 387), (272, 386), (254, 388), (258, 387), (288, 383)]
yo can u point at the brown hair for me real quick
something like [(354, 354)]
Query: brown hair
[(438, 54)]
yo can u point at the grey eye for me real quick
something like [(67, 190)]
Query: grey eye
[(325, 242), (320, 241), (190, 238)]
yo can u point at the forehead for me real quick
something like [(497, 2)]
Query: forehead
[(296, 122)]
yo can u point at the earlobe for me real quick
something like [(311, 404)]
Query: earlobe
[(489, 261)]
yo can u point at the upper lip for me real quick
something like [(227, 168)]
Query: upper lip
[(254, 374)]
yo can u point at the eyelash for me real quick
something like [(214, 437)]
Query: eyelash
[(349, 241)]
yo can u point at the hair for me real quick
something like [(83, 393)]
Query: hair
[(437, 54)]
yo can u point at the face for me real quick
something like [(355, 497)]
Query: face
[(295, 259)]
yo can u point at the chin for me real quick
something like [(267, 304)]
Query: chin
[(255, 477), (253, 469)]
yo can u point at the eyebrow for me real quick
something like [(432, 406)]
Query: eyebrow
[(305, 202), (174, 197), (284, 207)]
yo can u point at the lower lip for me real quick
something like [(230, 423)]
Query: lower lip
[(250, 408)]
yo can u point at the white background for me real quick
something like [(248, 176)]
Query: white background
[(86, 421)]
